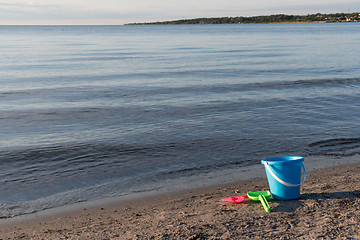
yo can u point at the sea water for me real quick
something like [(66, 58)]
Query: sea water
[(91, 112)]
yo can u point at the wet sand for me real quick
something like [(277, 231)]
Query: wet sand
[(329, 208)]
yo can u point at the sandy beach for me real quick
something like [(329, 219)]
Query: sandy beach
[(329, 208), (177, 117)]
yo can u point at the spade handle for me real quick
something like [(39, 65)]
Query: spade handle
[(265, 203)]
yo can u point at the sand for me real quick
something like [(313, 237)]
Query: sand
[(329, 208)]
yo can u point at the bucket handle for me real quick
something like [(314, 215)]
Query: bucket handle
[(283, 182)]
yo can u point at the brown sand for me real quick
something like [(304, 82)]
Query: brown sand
[(329, 208)]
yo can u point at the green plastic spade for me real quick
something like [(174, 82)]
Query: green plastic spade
[(261, 196)]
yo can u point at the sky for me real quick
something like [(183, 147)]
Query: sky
[(117, 12)]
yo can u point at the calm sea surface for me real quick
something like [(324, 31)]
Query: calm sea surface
[(89, 112)]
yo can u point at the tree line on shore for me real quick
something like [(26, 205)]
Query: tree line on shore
[(279, 18)]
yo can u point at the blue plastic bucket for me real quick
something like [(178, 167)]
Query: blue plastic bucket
[(284, 176)]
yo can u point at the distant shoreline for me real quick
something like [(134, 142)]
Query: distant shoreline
[(279, 18)]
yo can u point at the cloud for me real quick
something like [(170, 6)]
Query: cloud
[(30, 12)]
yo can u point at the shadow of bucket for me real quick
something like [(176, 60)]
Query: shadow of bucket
[(284, 176)]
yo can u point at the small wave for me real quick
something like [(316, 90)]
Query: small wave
[(303, 83), (14, 94), (335, 147), (81, 85), (204, 168)]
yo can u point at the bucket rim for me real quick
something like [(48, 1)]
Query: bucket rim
[(283, 160)]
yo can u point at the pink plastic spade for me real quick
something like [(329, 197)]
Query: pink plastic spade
[(238, 199)]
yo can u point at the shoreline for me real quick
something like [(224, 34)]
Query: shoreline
[(173, 186), (329, 206), (173, 24)]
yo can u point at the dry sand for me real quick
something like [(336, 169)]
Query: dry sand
[(329, 208)]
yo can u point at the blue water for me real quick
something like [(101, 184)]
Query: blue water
[(89, 112)]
